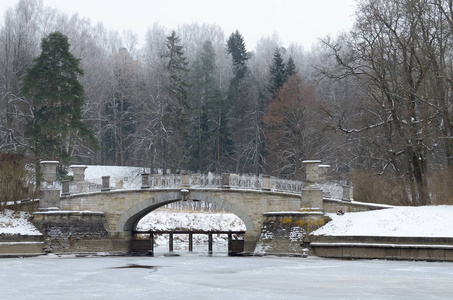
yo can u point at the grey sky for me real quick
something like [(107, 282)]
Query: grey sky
[(294, 21)]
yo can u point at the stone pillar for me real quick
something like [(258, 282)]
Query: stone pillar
[(348, 193), (49, 171), (323, 173), (312, 171), (49, 197), (312, 198), (145, 181), (105, 184), (312, 192), (225, 180), (266, 183), (65, 187), (185, 178), (79, 172)]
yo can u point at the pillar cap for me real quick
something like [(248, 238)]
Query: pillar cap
[(49, 162), (78, 166), (311, 161)]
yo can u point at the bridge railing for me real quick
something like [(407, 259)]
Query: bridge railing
[(195, 180), (241, 181)]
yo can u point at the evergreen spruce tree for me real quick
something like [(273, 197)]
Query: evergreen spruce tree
[(290, 69), (236, 47), (278, 73), (241, 104), (56, 98), (177, 68), (178, 108), (209, 119)]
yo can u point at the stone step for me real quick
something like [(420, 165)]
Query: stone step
[(21, 248)]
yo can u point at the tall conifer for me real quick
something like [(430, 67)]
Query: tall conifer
[(56, 99)]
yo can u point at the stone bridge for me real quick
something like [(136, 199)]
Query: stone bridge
[(77, 208)]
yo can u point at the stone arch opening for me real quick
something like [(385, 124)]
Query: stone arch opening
[(129, 219)]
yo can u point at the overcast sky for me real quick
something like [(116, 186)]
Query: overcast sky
[(294, 21)]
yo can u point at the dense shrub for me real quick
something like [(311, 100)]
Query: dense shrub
[(14, 179)]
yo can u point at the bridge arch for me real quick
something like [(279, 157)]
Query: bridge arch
[(132, 216)]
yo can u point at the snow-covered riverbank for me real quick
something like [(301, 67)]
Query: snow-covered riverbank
[(403, 221), (425, 221)]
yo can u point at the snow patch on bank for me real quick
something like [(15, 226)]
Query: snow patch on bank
[(16, 223), (402, 221)]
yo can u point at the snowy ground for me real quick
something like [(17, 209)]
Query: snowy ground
[(221, 277), (16, 223), (424, 221)]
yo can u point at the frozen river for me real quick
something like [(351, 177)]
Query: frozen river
[(198, 276)]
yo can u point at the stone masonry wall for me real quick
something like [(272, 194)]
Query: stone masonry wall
[(333, 206), (284, 233), (73, 231)]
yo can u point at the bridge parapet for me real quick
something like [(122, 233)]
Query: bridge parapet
[(210, 180), (195, 180)]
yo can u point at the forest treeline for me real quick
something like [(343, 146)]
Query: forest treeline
[(374, 103)]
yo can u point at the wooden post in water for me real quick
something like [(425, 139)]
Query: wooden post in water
[(230, 238), (210, 243), (170, 243), (151, 238), (190, 242)]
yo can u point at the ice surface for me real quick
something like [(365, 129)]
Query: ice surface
[(221, 277)]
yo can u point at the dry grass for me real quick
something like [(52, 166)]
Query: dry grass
[(441, 187), (387, 189), (383, 189)]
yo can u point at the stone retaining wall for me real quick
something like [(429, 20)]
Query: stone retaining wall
[(383, 247), (334, 205), (283, 233), (21, 244), (72, 231)]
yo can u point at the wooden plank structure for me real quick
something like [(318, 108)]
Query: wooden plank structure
[(235, 246)]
